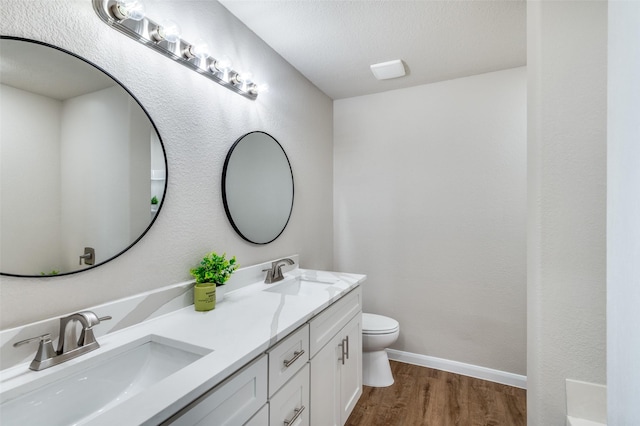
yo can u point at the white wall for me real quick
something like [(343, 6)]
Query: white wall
[(30, 192), (98, 167), (198, 121), (623, 214), (567, 81), (430, 203), (140, 155), (54, 160)]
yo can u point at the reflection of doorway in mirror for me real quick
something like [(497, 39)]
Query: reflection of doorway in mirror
[(77, 168), (105, 158), (158, 172)]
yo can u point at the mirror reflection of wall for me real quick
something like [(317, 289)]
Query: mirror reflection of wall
[(76, 164)]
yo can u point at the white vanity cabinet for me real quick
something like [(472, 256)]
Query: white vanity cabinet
[(261, 418), (289, 380), (232, 402), (311, 377), (336, 361), (290, 405), (287, 358)]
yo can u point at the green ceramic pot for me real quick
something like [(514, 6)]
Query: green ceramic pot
[(204, 296)]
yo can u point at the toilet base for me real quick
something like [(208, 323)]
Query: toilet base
[(376, 371)]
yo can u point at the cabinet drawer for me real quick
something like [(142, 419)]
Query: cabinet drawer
[(290, 405), (287, 357), (325, 325), (261, 418), (233, 402)]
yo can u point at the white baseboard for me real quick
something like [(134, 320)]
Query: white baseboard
[(470, 370), (586, 403), (572, 421)]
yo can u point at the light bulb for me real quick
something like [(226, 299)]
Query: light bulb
[(243, 80), (223, 64), (256, 89), (167, 30), (199, 50), (128, 9)]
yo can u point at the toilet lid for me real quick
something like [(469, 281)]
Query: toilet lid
[(378, 324)]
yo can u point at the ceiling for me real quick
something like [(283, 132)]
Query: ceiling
[(29, 66), (333, 42)]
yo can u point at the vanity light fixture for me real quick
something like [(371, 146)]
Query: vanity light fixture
[(222, 67), (128, 17), (198, 50), (243, 80), (259, 88), (128, 9), (167, 30)]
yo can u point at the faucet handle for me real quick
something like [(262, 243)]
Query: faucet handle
[(45, 348), (269, 278), (86, 335), (43, 337)]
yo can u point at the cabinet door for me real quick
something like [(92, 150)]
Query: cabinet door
[(329, 322), (325, 380), (351, 370), (290, 405), (232, 403), (261, 418)]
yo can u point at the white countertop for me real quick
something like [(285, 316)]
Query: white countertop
[(244, 325)]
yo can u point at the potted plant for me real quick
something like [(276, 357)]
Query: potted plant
[(154, 204), (213, 271)]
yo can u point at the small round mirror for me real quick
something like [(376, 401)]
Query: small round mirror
[(257, 187)]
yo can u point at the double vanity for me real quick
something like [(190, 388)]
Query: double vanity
[(287, 353)]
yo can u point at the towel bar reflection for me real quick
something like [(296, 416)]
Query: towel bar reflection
[(89, 256)]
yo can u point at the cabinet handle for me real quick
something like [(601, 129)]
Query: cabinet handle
[(343, 352), (347, 340), (296, 413), (296, 355)]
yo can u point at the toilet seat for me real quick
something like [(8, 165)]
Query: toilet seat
[(378, 324)]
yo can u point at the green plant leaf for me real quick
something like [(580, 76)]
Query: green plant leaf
[(214, 269)]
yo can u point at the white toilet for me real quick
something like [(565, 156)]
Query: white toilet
[(378, 333)]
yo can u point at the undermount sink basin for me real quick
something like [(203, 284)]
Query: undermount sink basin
[(97, 384), (302, 285)]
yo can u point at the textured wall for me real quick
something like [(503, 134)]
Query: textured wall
[(623, 214), (198, 121), (567, 124), (430, 203)]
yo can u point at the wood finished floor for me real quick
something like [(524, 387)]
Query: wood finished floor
[(423, 396)]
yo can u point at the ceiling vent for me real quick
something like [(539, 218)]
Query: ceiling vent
[(387, 70)]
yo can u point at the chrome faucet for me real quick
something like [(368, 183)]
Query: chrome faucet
[(87, 319), (47, 357), (274, 274)]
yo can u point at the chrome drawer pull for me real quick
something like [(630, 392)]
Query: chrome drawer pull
[(347, 339), (296, 414), (343, 352), (296, 355)]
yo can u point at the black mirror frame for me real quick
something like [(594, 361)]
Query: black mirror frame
[(224, 191), (166, 165)]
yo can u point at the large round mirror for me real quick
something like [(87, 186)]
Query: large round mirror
[(83, 167), (257, 187)]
